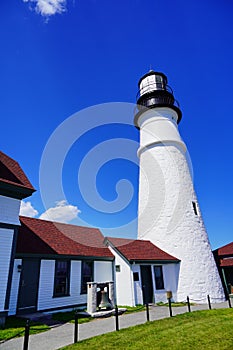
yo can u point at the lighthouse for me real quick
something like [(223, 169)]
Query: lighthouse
[(168, 211)]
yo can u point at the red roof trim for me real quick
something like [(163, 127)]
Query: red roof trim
[(226, 262)]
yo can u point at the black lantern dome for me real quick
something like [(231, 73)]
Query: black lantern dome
[(155, 92)]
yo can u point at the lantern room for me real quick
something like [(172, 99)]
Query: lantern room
[(155, 92)]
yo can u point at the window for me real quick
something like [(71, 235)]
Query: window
[(159, 82), (136, 276), (158, 272), (62, 278), (195, 208), (87, 275), (118, 268)]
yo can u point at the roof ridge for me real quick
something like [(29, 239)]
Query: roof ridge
[(59, 223)]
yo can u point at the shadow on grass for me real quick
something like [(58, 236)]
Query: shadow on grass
[(14, 327)]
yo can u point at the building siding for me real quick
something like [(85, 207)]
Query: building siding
[(123, 281), (170, 277), (103, 271), (6, 239), (14, 287), (46, 285), (9, 213)]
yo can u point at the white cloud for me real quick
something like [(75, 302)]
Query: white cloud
[(62, 212), (47, 7), (26, 209)]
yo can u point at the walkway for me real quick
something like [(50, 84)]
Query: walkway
[(63, 335)]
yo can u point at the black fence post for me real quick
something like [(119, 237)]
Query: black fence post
[(76, 327), (229, 301), (188, 303), (208, 298), (116, 317), (170, 306), (26, 335), (147, 312)]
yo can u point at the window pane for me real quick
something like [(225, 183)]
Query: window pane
[(136, 276), (118, 268), (158, 272), (87, 275), (61, 280)]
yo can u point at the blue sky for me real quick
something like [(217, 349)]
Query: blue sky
[(58, 58)]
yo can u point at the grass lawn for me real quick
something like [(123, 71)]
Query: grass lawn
[(208, 330), (173, 304), (132, 309), (69, 317), (15, 325)]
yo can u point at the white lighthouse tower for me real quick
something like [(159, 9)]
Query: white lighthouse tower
[(168, 213)]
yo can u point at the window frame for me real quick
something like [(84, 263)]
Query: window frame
[(67, 277), (157, 286)]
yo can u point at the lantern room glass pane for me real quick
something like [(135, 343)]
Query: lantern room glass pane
[(151, 83), (159, 82)]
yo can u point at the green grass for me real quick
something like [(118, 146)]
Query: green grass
[(15, 325), (208, 330), (173, 304), (132, 309), (69, 317)]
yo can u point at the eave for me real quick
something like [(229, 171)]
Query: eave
[(63, 256), (16, 191), (150, 262)]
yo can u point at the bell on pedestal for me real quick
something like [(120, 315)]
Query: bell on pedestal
[(104, 303)]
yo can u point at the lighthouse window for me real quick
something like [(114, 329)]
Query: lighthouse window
[(195, 208), (159, 81), (158, 272)]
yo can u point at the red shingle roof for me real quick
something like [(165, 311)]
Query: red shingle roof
[(46, 237), (225, 250), (12, 174), (139, 250)]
